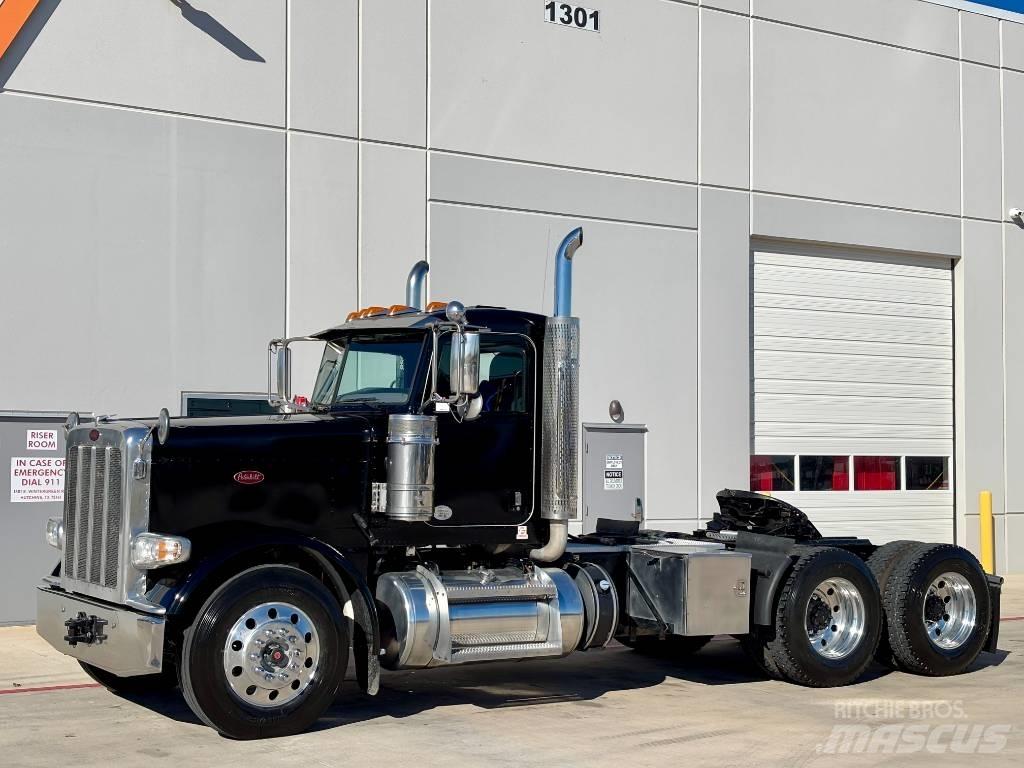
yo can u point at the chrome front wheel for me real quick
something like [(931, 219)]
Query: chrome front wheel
[(271, 654)]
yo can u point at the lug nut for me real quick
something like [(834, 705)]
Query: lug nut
[(268, 677)]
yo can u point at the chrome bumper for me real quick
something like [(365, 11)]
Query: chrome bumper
[(133, 643)]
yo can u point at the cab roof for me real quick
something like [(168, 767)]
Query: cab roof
[(496, 318)]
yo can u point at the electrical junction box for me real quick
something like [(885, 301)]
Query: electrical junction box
[(614, 473)]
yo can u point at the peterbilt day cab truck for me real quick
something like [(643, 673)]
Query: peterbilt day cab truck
[(415, 513)]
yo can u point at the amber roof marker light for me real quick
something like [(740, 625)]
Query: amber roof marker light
[(13, 16)]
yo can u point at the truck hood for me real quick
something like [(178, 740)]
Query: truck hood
[(307, 472)]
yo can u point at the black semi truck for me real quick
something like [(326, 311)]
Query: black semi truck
[(414, 512)]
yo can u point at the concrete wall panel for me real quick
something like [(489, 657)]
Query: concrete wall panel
[(506, 83), (982, 138), (392, 221), (843, 119), (979, 38), (1013, 129), (461, 179), (220, 58), (622, 273), (393, 91), (323, 67), (1014, 323), (979, 310), (725, 100), (321, 231), (836, 223), (146, 256), (1013, 45), (724, 368), (921, 26), (736, 6)]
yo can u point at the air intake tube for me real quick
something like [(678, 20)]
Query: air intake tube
[(416, 288), (560, 408)]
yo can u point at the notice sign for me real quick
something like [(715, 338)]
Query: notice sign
[(37, 478), (613, 472), (41, 440)]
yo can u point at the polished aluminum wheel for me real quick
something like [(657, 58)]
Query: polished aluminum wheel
[(835, 618), (950, 611), (271, 655)]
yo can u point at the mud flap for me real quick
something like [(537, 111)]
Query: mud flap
[(995, 589)]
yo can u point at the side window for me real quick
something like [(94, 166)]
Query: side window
[(504, 373)]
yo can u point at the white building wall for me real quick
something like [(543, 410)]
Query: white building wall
[(179, 186)]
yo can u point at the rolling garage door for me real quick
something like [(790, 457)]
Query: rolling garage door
[(853, 390)]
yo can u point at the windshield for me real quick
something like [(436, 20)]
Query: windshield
[(367, 370)]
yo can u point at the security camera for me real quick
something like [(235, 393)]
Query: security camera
[(1016, 214)]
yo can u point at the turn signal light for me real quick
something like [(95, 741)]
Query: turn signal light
[(153, 550), (436, 306)]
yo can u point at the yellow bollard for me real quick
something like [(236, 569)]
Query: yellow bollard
[(988, 532)]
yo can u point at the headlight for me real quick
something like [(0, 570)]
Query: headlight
[(153, 550), (55, 532)]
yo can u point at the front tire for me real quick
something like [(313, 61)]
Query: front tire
[(827, 621), (266, 654), (937, 609)]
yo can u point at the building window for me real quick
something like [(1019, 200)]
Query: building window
[(772, 473), (927, 473), (876, 473), (824, 473)]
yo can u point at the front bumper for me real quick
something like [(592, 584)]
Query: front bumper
[(130, 644)]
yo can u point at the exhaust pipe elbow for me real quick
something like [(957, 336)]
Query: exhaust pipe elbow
[(558, 537), (416, 288), (563, 272)]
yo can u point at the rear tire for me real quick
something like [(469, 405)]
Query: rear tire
[(938, 610), (827, 621), (141, 685), (672, 647), (266, 654), (882, 563)]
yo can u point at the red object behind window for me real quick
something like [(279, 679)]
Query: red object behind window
[(840, 474), (876, 473), (761, 473)]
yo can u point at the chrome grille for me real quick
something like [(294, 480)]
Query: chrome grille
[(93, 514)]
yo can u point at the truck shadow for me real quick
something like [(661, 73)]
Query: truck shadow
[(583, 678)]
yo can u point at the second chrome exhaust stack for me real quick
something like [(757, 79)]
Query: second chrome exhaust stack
[(560, 408)]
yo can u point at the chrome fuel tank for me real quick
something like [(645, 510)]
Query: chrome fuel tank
[(478, 615)]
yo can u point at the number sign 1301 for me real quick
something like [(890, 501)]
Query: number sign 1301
[(572, 16)]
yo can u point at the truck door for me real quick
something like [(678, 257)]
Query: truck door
[(484, 468)]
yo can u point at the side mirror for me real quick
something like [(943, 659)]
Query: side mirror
[(464, 370), (284, 374)]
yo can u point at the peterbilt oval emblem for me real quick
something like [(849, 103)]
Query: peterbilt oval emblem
[(441, 512), (249, 477)]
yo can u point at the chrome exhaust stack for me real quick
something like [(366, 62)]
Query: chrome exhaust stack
[(416, 287), (560, 408)]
